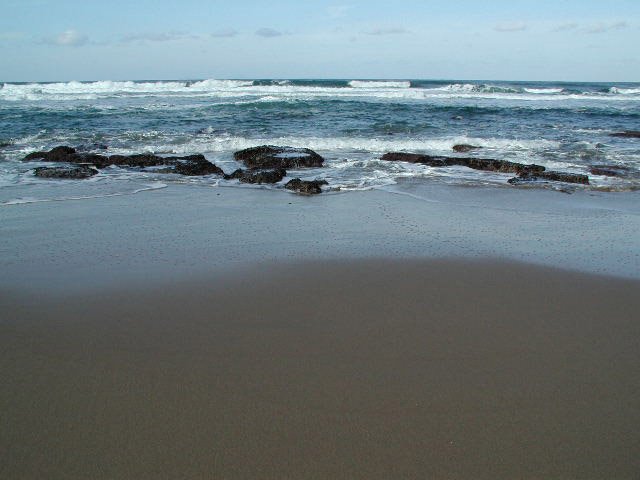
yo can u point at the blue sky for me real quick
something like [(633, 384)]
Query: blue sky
[(47, 40)]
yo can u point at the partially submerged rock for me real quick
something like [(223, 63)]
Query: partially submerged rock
[(609, 170), (186, 165), (627, 134), (258, 177), (270, 156), (72, 172), (305, 187), (464, 148), (486, 164), (550, 175)]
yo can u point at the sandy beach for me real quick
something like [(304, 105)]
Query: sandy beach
[(257, 339)]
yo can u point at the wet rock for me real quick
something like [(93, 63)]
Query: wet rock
[(486, 164), (269, 156), (56, 154), (305, 187), (550, 175), (627, 134), (464, 148), (186, 165), (72, 172), (410, 158), (258, 177), (609, 170), (191, 165)]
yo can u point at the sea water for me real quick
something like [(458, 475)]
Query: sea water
[(351, 123)]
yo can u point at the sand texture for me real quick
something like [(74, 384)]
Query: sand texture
[(359, 369)]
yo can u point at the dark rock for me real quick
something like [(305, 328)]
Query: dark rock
[(269, 156), (609, 170), (258, 177), (409, 157), (56, 154), (305, 187), (626, 134), (186, 165), (75, 172), (464, 148), (485, 164), (550, 175), (195, 165)]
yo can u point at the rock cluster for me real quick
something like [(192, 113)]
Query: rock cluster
[(524, 172), (187, 165)]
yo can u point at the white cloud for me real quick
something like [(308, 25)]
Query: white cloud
[(69, 38), (604, 27), (268, 33), (224, 32), (510, 27), (387, 31)]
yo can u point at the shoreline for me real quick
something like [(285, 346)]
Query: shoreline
[(181, 232)]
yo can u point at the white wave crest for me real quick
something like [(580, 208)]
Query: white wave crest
[(341, 145), (379, 84), (544, 91), (624, 91)]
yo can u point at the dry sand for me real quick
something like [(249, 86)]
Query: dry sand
[(372, 369)]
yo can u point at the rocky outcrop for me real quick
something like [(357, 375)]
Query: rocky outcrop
[(75, 172), (550, 175), (305, 187), (56, 154), (187, 165), (464, 148), (609, 170), (269, 156), (258, 177), (626, 134), (486, 164), (525, 172)]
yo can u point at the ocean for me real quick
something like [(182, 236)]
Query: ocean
[(563, 126)]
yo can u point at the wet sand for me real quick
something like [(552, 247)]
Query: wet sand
[(333, 369)]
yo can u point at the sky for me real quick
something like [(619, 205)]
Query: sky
[(566, 40)]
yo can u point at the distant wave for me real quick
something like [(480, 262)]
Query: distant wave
[(304, 90), (624, 91), (544, 91), (379, 84)]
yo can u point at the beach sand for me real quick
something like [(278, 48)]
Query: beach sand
[(330, 369), (247, 334)]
